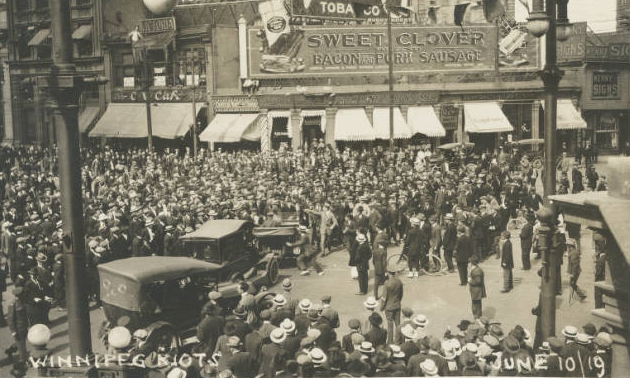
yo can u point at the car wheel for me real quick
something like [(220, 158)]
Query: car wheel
[(273, 271)]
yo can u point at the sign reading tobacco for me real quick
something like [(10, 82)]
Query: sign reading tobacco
[(325, 51)]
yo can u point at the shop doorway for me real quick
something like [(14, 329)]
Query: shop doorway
[(280, 132), (483, 141), (312, 131)]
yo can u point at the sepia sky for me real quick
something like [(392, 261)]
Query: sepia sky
[(600, 14)]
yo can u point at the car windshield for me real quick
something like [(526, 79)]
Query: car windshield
[(207, 251)]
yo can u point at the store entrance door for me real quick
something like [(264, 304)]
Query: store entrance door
[(280, 132), (483, 141), (312, 131)]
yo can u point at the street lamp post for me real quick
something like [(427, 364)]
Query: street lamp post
[(192, 60), (543, 21), (390, 54), (64, 85)]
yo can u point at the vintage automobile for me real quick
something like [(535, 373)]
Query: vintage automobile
[(230, 245), (273, 239), (164, 295), (531, 151)]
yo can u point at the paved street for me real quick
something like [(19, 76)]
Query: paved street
[(440, 298)]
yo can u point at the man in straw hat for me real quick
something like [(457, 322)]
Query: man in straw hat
[(391, 303), (272, 355)]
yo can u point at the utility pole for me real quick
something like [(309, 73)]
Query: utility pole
[(64, 86), (551, 76), (390, 53), (193, 60), (146, 87)]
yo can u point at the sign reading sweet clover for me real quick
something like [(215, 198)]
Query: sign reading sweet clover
[(309, 51)]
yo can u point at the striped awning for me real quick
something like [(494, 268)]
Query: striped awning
[(87, 117), (423, 120), (129, 120), (272, 114), (39, 37), (353, 125), (568, 117), (381, 124), (230, 128), (314, 113), (485, 117)]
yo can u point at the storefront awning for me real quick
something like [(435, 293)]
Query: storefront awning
[(39, 37), (423, 120), (87, 117), (129, 120), (485, 117), (353, 125), (82, 32), (381, 124), (568, 117), (314, 113), (281, 114), (231, 128)]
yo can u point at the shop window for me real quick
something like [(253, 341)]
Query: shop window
[(23, 49), (23, 5), (607, 131), (84, 47)]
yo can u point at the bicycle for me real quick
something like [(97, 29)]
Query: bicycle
[(430, 261)]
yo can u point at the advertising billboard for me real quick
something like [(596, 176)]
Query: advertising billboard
[(573, 50), (351, 50)]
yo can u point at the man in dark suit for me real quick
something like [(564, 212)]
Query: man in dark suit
[(526, 235), (242, 364), (18, 324), (464, 250), (477, 286), (449, 240), (477, 233), (507, 261), (379, 259), (376, 335), (391, 303), (363, 255), (210, 328), (413, 246), (272, 355), (346, 340)]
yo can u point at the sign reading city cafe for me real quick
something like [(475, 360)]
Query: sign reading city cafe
[(343, 50)]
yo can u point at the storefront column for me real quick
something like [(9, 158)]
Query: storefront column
[(265, 131), (6, 97), (535, 123), (462, 136), (41, 129), (296, 131), (330, 126)]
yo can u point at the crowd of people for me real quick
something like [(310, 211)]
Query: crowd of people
[(136, 203)]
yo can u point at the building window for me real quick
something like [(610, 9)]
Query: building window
[(125, 72), (607, 131), (82, 2), (41, 4), (190, 67), (159, 68), (23, 5), (43, 52)]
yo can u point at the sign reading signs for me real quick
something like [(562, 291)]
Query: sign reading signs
[(573, 50), (157, 25), (326, 51), (614, 52), (605, 85)]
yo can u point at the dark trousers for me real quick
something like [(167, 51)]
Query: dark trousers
[(508, 279), (448, 256), (476, 308), (363, 280), (462, 268), (414, 262), (379, 279), (525, 248), (559, 281), (2, 319), (304, 260), (477, 245), (393, 321)]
